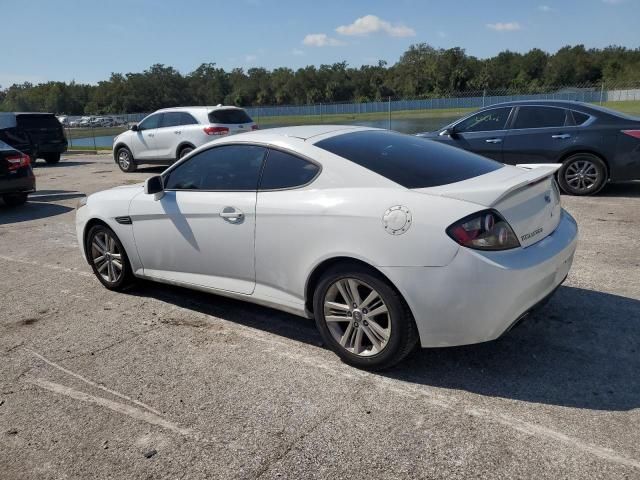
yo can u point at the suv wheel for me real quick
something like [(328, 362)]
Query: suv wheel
[(184, 151), (362, 318), (125, 160), (582, 174), (15, 199), (52, 158)]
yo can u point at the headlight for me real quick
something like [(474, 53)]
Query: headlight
[(82, 202)]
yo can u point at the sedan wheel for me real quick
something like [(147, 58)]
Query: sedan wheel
[(357, 317), (362, 318), (582, 174), (108, 258)]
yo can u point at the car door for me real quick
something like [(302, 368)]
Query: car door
[(142, 143), (482, 133), (167, 136), (539, 134), (202, 229)]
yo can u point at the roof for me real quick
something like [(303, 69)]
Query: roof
[(305, 132), (552, 103), (198, 107)]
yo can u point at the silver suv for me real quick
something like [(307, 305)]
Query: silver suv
[(169, 134)]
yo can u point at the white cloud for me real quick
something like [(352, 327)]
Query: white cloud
[(504, 27), (321, 40), (545, 8), (297, 52), (372, 24)]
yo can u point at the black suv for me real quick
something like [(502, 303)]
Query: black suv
[(39, 135)]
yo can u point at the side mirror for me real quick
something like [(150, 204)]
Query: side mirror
[(449, 131), (154, 186), (134, 127)]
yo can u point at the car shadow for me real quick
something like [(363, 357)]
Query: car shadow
[(626, 189), (30, 211), (53, 195), (155, 170), (581, 350), (63, 163)]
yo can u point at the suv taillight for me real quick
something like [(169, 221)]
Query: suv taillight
[(632, 133), (216, 130), (18, 161), (485, 230)]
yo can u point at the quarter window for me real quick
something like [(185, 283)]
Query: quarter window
[(580, 117), (283, 170), (187, 119), (150, 122), (229, 167), (485, 121), (540, 117)]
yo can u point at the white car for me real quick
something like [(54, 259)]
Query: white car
[(385, 239), (169, 134)]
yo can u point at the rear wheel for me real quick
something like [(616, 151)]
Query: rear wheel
[(184, 151), (582, 174), (108, 259), (363, 319), (52, 158), (125, 160), (15, 199)]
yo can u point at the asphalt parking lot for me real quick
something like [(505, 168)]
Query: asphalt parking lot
[(164, 382)]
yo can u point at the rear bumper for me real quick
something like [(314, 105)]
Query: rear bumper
[(45, 148), (21, 181), (480, 295)]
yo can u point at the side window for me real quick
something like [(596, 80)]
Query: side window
[(229, 167), (283, 170), (170, 119), (540, 117), (580, 117), (486, 121), (150, 122), (187, 119)]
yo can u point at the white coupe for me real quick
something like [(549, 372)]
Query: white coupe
[(387, 240)]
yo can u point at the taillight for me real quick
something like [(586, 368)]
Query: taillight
[(632, 133), (485, 230), (18, 161), (255, 127), (216, 130)]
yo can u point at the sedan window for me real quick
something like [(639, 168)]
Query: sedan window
[(283, 170), (150, 122), (540, 117), (485, 121), (226, 168)]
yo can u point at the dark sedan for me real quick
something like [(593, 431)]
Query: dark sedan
[(16, 176), (594, 144)]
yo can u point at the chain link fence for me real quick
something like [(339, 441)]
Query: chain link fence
[(409, 115)]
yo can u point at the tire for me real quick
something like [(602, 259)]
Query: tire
[(582, 174), (102, 242), (15, 199), (125, 160), (52, 158), (184, 151), (396, 324)]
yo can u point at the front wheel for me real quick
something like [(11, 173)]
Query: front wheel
[(125, 160), (363, 319), (582, 174), (107, 258)]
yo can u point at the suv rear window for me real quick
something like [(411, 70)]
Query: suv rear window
[(230, 115), (410, 161), (29, 122)]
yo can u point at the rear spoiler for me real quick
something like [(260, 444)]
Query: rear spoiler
[(489, 189)]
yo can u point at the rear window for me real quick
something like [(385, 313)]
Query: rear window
[(410, 161), (37, 121), (230, 115), (540, 117)]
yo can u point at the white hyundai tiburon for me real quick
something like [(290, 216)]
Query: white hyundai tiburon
[(385, 239)]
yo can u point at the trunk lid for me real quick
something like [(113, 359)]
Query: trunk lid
[(527, 198)]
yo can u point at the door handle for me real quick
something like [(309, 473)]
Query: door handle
[(493, 140), (150, 135), (177, 132), (232, 215), (562, 136)]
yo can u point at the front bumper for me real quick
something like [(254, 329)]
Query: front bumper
[(479, 295)]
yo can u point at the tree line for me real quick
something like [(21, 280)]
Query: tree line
[(421, 72)]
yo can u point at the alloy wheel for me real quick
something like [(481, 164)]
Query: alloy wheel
[(107, 257), (581, 175), (357, 317), (124, 159)]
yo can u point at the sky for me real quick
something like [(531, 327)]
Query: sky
[(87, 40)]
